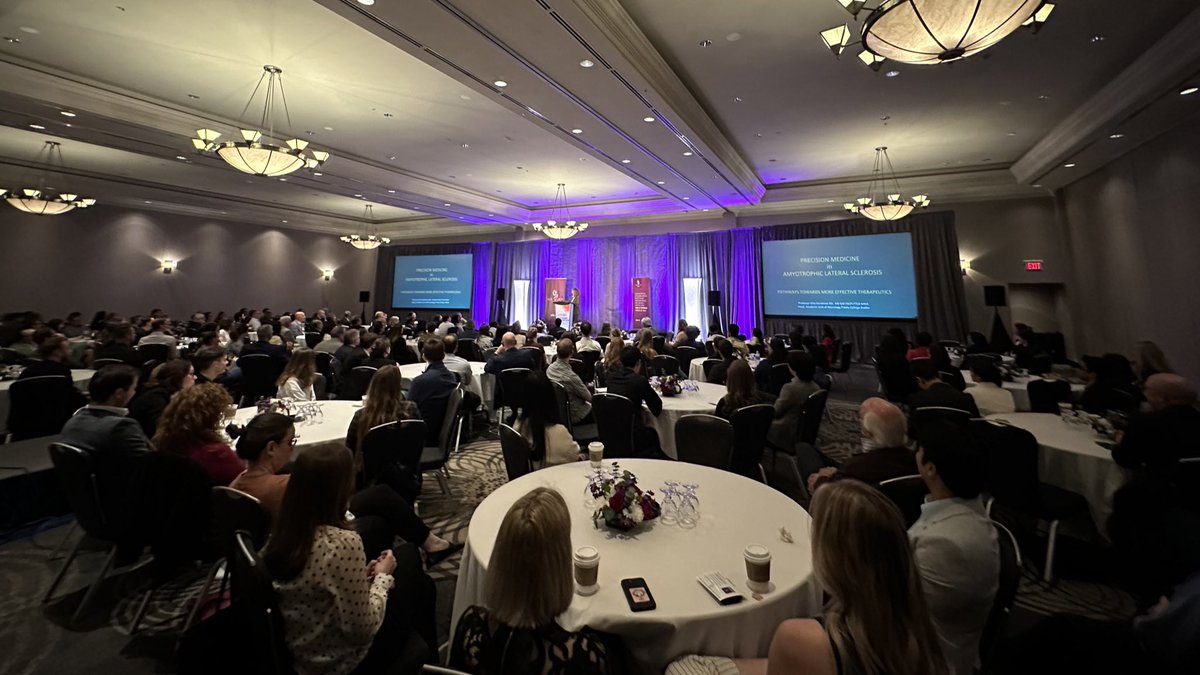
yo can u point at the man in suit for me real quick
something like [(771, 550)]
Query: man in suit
[(635, 387), (790, 405), (935, 393), (264, 346), (119, 345), (508, 355), (431, 389)]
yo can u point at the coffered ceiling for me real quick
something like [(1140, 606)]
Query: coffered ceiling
[(749, 112)]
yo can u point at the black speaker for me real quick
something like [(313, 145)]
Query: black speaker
[(993, 296), (500, 294), (714, 298), (364, 296)]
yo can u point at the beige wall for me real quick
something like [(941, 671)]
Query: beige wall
[(107, 258), (1132, 227)]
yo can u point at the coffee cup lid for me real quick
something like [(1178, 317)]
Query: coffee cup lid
[(758, 551), (595, 445), (587, 554)]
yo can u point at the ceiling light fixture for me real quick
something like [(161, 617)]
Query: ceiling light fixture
[(370, 238), (1070, 165), (249, 155), (366, 2), (647, 119), (586, 63), (37, 126), (577, 131), (625, 161), (66, 113), (1189, 91), (500, 83), (31, 199), (687, 154), (932, 31), (889, 206), (1116, 136), (560, 225)]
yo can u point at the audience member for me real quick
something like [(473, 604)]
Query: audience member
[(188, 428), (716, 374), (167, 380), (921, 350), (1113, 387), (740, 390), (990, 396), (560, 372), (777, 354), (333, 342), (117, 343), (296, 380), (884, 454), (828, 340), (385, 403), (1151, 360), (455, 363), (528, 586), (159, 336), (623, 380), (339, 618), (756, 338), (789, 407), (937, 394), (431, 389), (977, 343), (210, 365), (586, 343), (645, 345), (53, 353), (540, 424), (508, 355), (24, 345), (379, 354), (265, 345), (485, 339), (610, 361)]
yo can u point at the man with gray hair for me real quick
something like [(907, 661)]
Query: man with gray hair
[(577, 393), (885, 452)]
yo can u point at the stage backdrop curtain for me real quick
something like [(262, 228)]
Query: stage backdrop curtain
[(941, 302), (745, 301), (706, 256), (482, 290)]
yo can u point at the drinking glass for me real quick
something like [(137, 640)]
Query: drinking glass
[(670, 507)]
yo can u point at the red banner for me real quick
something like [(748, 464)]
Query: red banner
[(641, 299), (556, 291)]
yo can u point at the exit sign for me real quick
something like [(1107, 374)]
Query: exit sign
[(1033, 265)]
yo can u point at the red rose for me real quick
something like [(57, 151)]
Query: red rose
[(647, 510), (617, 501)]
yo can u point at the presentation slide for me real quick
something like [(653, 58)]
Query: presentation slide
[(864, 277), (432, 282)]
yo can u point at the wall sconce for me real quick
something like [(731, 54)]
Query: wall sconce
[(168, 265), (327, 274), (964, 265)]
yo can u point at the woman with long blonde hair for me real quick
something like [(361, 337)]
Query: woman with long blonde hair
[(612, 357), (385, 403), (296, 380)]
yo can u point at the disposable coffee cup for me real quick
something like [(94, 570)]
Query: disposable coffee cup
[(595, 453), (364, 400), (1065, 409), (587, 570), (758, 568)]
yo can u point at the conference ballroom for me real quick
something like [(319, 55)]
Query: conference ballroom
[(599, 337)]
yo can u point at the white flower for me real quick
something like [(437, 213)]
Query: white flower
[(636, 513)]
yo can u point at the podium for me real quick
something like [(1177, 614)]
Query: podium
[(562, 310)]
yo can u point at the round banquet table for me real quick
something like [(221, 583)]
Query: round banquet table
[(482, 384), (1019, 388), (1070, 457), (696, 370), (80, 376), (331, 425), (686, 403), (734, 512)]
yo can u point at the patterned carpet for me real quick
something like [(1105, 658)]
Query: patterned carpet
[(38, 640)]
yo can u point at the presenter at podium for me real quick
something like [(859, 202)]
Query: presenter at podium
[(574, 306)]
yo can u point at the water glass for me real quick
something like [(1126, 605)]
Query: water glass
[(670, 507)]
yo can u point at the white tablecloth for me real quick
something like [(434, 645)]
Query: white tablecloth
[(330, 426), (1070, 458), (1019, 388), (81, 377), (734, 512), (687, 403), (696, 370), (482, 384)]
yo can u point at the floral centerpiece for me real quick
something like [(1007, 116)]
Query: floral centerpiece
[(667, 385), (622, 504)]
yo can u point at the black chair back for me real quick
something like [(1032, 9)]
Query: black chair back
[(516, 451), (40, 406), (100, 363), (360, 381), (896, 381), (908, 494), (578, 367), (780, 375), (445, 439), (10, 356), (971, 359), (1045, 395), (705, 440), (664, 364), (845, 352), (545, 340), (708, 366), (231, 511), (252, 589), (810, 417), (468, 350), (589, 359), (1011, 456), (563, 399), (750, 427), (919, 416), (259, 374), (710, 349), (685, 355), (1006, 591), (615, 416), (76, 475), (391, 455), (954, 378), (659, 342), (510, 388), (160, 353), (603, 341), (325, 364), (312, 339)]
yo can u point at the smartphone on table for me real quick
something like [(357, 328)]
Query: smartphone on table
[(637, 594)]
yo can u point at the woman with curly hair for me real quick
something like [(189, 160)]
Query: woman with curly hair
[(188, 428)]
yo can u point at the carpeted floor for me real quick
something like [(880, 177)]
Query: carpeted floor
[(39, 639)]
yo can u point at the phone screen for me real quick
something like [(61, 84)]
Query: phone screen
[(637, 594)]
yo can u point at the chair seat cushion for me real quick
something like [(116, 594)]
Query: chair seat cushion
[(431, 458)]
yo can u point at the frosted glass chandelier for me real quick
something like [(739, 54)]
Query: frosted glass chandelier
[(880, 203), (255, 153), (560, 225), (42, 200), (933, 31), (370, 238)]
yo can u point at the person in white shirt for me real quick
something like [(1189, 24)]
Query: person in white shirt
[(484, 341), (255, 321), (586, 343), (159, 336), (455, 363), (954, 543), (444, 327), (296, 381), (990, 397)]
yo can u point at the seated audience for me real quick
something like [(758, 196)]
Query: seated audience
[(24, 344), (557, 330), (117, 344), (680, 333), (828, 339), (756, 338), (954, 543), (431, 390), (350, 351), (528, 586), (789, 407), (877, 622), (885, 454), (625, 381), (385, 403), (610, 361), (540, 424), (1157, 439), (645, 344), (333, 342), (560, 372), (978, 344), (266, 344), (1113, 388), (922, 348), (484, 341), (586, 343), (777, 354), (342, 613), (53, 353), (210, 365), (740, 390), (935, 393), (166, 381), (816, 351), (508, 355), (716, 374), (296, 380), (380, 354), (990, 396), (159, 335), (455, 363), (188, 428), (737, 339), (1151, 360), (690, 333)]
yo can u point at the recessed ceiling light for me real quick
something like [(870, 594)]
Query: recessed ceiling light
[(12, 40), (1189, 91), (67, 124), (282, 180), (705, 43), (1043, 97), (686, 198), (892, 73), (662, 182), (148, 202), (647, 119), (465, 145), (181, 157), (357, 195), (625, 161), (1069, 165), (29, 29), (577, 131), (687, 154), (366, 2), (830, 201), (318, 173), (1011, 133), (586, 63), (446, 204), (327, 128), (66, 113), (416, 208), (500, 83), (193, 97), (1037, 185), (391, 192), (733, 37), (1116, 136), (283, 221), (1097, 38), (737, 99), (36, 126), (464, 97)]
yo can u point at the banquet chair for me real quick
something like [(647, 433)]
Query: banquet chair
[(685, 355), (589, 359), (603, 341), (467, 349), (489, 353), (100, 363), (391, 455), (578, 367), (545, 340), (516, 451), (230, 511), (360, 381), (665, 364), (810, 417), (845, 353), (781, 336), (660, 343), (969, 359), (39, 406), (152, 352), (907, 493), (510, 390), (312, 339), (919, 416), (708, 366), (1011, 457), (1045, 395), (434, 458), (710, 349), (750, 427), (781, 374), (1006, 590), (9, 356), (320, 386), (563, 399), (615, 417), (262, 623), (259, 373), (954, 378), (705, 439)]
